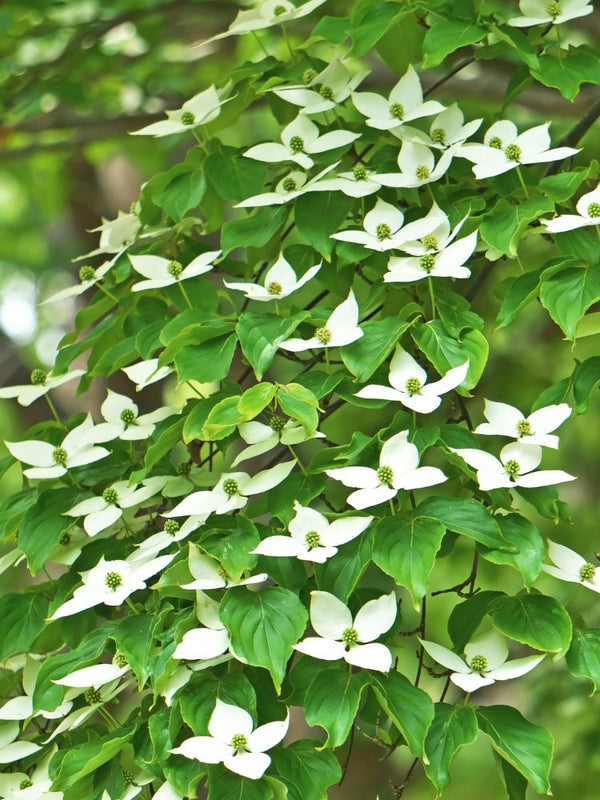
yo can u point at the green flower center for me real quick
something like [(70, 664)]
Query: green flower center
[(587, 572), (127, 776), (239, 742), (296, 144), (92, 696), (326, 92), (427, 262), (113, 580), (65, 539), (513, 152), (553, 9), (25, 783), (438, 135), (60, 456), (383, 231), (277, 423), (397, 110), (289, 185), (594, 210), (512, 468), (496, 143), (87, 274), (171, 526), (175, 269), (274, 288), (350, 637), (360, 172), (312, 539), (120, 660), (524, 428), (38, 377), (184, 468), (230, 487), (385, 476), (110, 496), (431, 242), (479, 664), (309, 75), (127, 416), (422, 172), (413, 386), (324, 335), (279, 10), (188, 118)]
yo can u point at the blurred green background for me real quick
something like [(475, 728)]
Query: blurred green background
[(75, 77)]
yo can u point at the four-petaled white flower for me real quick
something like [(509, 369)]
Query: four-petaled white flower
[(359, 182), (398, 469), (300, 139), (162, 272), (21, 786), (447, 129), (41, 382), (571, 567), (101, 512), (408, 384), (341, 636), (505, 420), (417, 166), (199, 110), (50, 461), (116, 235), (588, 213), (234, 742), (438, 236), (485, 662), (313, 537), (325, 90), (515, 467), (404, 104), (88, 277), (210, 643), (146, 372), (280, 281), (123, 420), (382, 228), (111, 583), (291, 186), (267, 14), (341, 328), (447, 262), (542, 12), (208, 573), (263, 438)]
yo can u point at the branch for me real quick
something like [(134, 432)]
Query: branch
[(576, 133)]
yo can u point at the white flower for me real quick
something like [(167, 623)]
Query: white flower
[(504, 148), (515, 468), (280, 281), (111, 583), (146, 372), (417, 166), (313, 537), (404, 104), (205, 644), (88, 277), (208, 574), (408, 384), (291, 186), (41, 382), (166, 792), (447, 129), (11, 750), (232, 492), (335, 84), (21, 707), (571, 567), (49, 461), (438, 234), (199, 110), (267, 14), (445, 263), (123, 420), (484, 663), (163, 272), (340, 329), (398, 469), (20, 786), (340, 636), (382, 228), (263, 438), (101, 512), (588, 213), (541, 12), (92, 677), (300, 138), (359, 182), (116, 235), (234, 743), (505, 420)]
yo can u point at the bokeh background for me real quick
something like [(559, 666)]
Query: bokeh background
[(75, 77)]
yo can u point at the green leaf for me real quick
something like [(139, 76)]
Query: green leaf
[(568, 294), (225, 785), (182, 192), (334, 29), (534, 619), (503, 226), (446, 36), (410, 708), (252, 231), (260, 335), (453, 727), (578, 65), (586, 379), (235, 177), (134, 638), (255, 399), (340, 575), (465, 516), (332, 701), (444, 352), (379, 339), (522, 290), (44, 524), (467, 616), (306, 771), (527, 747), (583, 656), (367, 29), (514, 783), (563, 186), (84, 759), (406, 550), (264, 626), (523, 534), (23, 618), (300, 404), (198, 699), (206, 362), (232, 544), (318, 215)]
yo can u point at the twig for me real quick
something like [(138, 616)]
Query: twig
[(576, 133), (460, 66)]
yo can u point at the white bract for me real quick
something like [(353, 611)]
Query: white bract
[(199, 110), (234, 742), (161, 272), (88, 277), (209, 574), (123, 421), (92, 677), (417, 166), (542, 12), (20, 786), (405, 103), (359, 182), (300, 139), (353, 640), (446, 262), (505, 420), (383, 228), (50, 461), (515, 467), (439, 233), (313, 537), (210, 643), (41, 382), (280, 281), (325, 90), (408, 384), (588, 213), (291, 186), (146, 372), (398, 469), (485, 662), (267, 14), (571, 567), (263, 438), (341, 328), (101, 512), (111, 583), (447, 129), (21, 707), (116, 235)]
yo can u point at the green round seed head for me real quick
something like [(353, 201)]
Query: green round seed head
[(175, 269), (397, 110), (92, 696), (277, 423), (296, 144), (383, 231), (188, 118), (312, 539), (431, 242), (324, 335), (422, 172), (128, 776), (587, 572), (479, 664), (87, 273), (385, 475), (309, 75), (513, 152), (120, 660), (524, 428), (289, 185), (438, 135), (360, 172), (349, 637), (239, 742), (25, 783), (593, 210), (512, 468), (184, 468), (274, 288), (38, 377), (279, 10), (553, 9), (427, 262), (113, 580), (110, 496), (413, 386), (326, 92), (60, 456), (171, 526), (496, 143), (127, 416), (230, 487)]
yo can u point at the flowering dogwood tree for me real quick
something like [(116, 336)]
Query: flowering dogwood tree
[(177, 619)]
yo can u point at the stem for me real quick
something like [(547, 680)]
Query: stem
[(558, 42), (597, 230), (131, 605), (185, 295), (296, 459), (260, 44), (392, 509), (523, 184), (197, 137), (327, 364), (287, 41), (106, 292), (53, 409), (422, 632), (414, 419), (431, 295), (277, 307), (193, 388)]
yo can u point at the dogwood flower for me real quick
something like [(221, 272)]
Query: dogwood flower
[(49, 461), (267, 14), (234, 742), (382, 228), (504, 148), (122, 420), (485, 662), (11, 748), (208, 573), (92, 677), (21, 786), (101, 512), (232, 492), (323, 91), (116, 235), (398, 469), (340, 329), (263, 438), (211, 643), (515, 467), (588, 213), (280, 281), (359, 182), (571, 567), (88, 277), (293, 185), (541, 12), (447, 129), (505, 420), (111, 583), (21, 707), (408, 384), (163, 272), (342, 637), (41, 382), (300, 139), (439, 233), (146, 372), (445, 263), (313, 537), (405, 103), (199, 110), (417, 166)]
